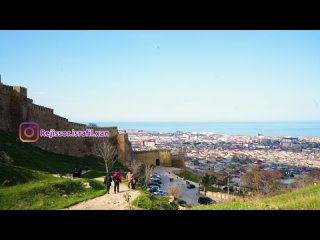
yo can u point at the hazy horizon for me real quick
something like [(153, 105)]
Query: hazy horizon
[(249, 128)]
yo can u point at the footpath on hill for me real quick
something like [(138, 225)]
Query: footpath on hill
[(110, 201)]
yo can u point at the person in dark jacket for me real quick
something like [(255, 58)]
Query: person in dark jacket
[(116, 177), (107, 181), (79, 172), (134, 182), (75, 173)]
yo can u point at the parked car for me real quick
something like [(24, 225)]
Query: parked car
[(155, 175), (190, 186), (156, 180), (153, 189), (206, 200), (153, 184), (181, 202), (160, 192)]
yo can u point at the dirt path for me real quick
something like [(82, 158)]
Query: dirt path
[(110, 201)]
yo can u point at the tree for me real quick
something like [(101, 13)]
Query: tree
[(136, 168), (251, 179), (174, 190), (261, 181), (108, 152), (209, 178), (148, 169), (270, 180)]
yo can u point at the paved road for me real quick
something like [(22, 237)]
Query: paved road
[(189, 195)]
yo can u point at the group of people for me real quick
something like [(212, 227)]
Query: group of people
[(132, 180), (116, 179)]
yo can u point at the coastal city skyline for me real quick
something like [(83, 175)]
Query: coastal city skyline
[(168, 75)]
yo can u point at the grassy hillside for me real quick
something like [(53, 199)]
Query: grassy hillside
[(12, 175), (48, 193), (307, 198), (26, 180), (28, 156)]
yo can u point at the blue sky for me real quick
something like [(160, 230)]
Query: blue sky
[(167, 75)]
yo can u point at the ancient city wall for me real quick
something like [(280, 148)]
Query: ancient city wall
[(125, 154), (177, 160), (151, 157), (5, 102), (16, 107)]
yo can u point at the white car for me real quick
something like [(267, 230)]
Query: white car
[(160, 192), (155, 175)]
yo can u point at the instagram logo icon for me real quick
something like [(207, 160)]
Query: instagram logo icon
[(29, 132)]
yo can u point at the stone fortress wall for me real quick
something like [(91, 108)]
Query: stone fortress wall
[(154, 157), (16, 107), (160, 157)]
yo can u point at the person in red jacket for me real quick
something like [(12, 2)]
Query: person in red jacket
[(116, 177)]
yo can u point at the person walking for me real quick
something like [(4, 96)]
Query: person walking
[(117, 180), (107, 181), (134, 182), (129, 178)]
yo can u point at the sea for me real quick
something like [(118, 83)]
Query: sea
[(284, 128)]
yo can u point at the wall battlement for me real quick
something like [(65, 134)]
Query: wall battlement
[(60, 118), (6, 89), (105, 128), (77, 125), (41, 108), (20, 90)]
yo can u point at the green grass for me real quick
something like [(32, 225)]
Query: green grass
[(307, 198), (27, 156), (27, 183), (94, 174), (23, 188), (189, 176), (12, 175), (150, 201), (48, 194)]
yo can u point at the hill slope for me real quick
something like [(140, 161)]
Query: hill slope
[(27, 181), (307, 198), (28, 156)]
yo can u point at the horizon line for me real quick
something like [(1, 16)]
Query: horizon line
[(196, 121)]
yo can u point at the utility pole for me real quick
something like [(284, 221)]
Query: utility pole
[(228, 185)]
